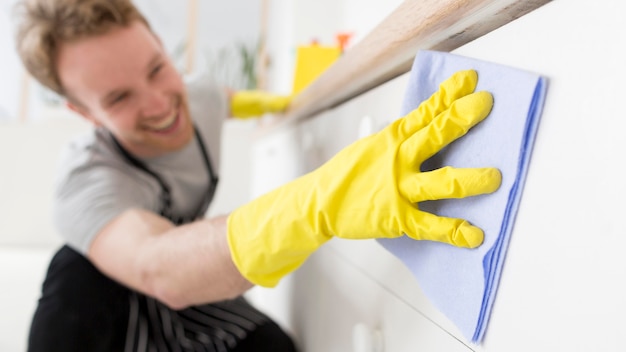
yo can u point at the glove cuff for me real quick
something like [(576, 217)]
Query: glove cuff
[(270, 237)]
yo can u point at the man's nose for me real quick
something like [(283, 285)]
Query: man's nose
[(155, 103)]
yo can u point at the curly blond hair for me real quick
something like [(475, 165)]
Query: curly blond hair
[(44, 25)]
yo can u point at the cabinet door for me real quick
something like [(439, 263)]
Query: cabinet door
[(334, 296), (561, 287)]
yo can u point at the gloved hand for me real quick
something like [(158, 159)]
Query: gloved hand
[(371, 189), (254, 103)]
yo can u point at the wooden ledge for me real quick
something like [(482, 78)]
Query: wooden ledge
[(388, 51)]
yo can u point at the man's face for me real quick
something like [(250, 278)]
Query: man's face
[(124, 81)]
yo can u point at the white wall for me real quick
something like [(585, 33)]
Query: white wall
[(297, 22), (10, 67)]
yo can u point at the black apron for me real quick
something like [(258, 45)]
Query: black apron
[(83, 310)]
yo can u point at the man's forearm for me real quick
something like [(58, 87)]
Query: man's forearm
[(191, 264), (178, 265)]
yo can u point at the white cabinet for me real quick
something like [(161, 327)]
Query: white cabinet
[(561, 286), (335, 293)]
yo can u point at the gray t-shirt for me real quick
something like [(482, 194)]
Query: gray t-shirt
[(95, 183)]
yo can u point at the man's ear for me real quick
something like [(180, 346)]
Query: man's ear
[(80, 110)]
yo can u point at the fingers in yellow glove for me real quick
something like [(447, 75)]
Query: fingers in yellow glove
[(449, 183), (448, 126), (457, 86), (457, 232)]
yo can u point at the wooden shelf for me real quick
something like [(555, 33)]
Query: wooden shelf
[(388, 51)]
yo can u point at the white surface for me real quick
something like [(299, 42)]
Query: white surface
[(22, 270), (10, 66), (561, 286), (29, 152)]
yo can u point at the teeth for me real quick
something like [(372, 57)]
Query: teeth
[(165, 123)]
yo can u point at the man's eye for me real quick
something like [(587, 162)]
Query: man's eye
[(119, 98), (156, 70)]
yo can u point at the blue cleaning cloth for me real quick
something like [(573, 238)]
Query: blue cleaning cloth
[(462, 283)]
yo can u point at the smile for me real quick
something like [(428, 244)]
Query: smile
[(165, 125)]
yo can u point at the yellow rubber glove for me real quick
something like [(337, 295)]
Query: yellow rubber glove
[(255, 103), (371, 189)]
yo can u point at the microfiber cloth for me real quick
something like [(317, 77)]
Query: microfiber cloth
[(460, 282)]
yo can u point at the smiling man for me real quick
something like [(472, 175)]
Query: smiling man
[(129, 192), (142, 269), (124, 81)]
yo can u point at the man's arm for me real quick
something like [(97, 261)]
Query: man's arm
[(178, 265), (368, 190)]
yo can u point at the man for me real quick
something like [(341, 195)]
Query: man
[(142, 269)]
